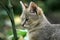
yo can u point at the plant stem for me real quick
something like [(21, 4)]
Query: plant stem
[(11, 16)]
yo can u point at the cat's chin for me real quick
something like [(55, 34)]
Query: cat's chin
[(26, 26)]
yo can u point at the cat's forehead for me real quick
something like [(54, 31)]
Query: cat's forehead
[(30, 12)]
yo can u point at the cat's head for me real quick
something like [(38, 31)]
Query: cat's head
[(31, 15)]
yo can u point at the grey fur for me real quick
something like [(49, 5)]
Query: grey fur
[(38, 25)]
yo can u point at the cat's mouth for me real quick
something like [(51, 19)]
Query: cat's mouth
[(25, 24), (25, 27)]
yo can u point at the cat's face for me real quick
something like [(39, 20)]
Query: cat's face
[(30, 15)]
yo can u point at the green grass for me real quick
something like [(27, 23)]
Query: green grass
[(19, 33)]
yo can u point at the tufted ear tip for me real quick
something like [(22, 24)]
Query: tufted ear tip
[(20, 1)]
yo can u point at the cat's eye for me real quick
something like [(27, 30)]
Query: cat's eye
[(26, 19)]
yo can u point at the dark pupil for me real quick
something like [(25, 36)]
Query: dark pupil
[(26, 19)]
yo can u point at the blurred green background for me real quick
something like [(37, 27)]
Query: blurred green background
[(51, 10)]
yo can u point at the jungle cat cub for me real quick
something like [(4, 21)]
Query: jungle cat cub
[(38, 26)]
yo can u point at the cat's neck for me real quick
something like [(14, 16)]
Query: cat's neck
[(43, 16), (45, 19), (42, 22)]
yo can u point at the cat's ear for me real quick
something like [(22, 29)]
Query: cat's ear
[(33, 7), (24, 5)]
